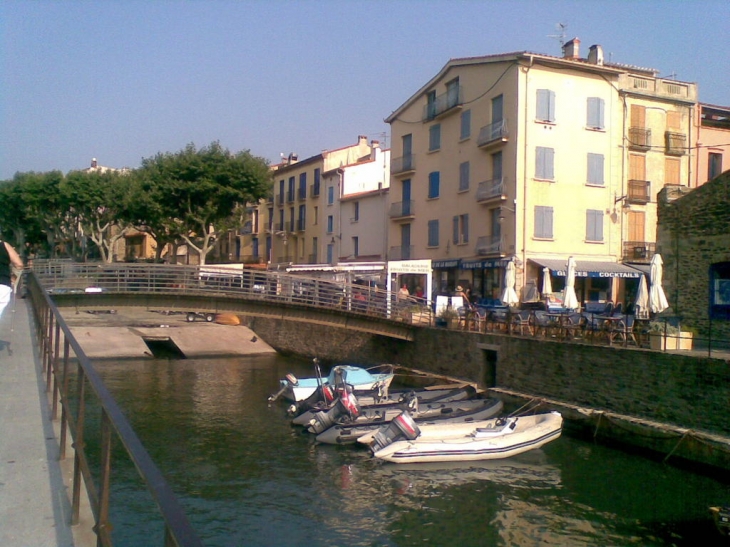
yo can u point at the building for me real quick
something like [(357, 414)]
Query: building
[(712, 126), (693, 235), (534, 158)]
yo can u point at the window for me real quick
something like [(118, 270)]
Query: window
[(431, 105), (464, 176), (543, 222), (302, 217), (290, 190), (355, 246), (461, 229), (316, 215), (330, 195), (315, 247), (317, 178), (545, 105), (433, 233), (594, 225), (356, 211), (434, 181), (434, 137), (302, 185), (452, 93), (497, 166), (595, 169), (714, 165), (595, 113), (671, 170), (720, 290), (281, 191), (674, 120), (330, 224), (544, 160), (465, 124)]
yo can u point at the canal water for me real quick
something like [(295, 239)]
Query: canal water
[(246, 477)]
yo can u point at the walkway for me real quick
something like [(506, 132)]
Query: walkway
[(34, 506)]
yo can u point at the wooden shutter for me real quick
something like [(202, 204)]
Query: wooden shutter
[(638, 116), (674, 120), (671, 170), (637, 221), (637, 167)]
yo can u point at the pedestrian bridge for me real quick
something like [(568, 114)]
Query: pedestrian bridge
[(231, 288)]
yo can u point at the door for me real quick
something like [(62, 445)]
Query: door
[(405, 241)]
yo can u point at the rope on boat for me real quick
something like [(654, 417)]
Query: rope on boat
[(598, 423), (688, 432), (529, 406)]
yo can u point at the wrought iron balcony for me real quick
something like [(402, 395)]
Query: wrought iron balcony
[(403, 165), (489, 245), (402, 209), (246, 229), (443, 103), (301, 224), (289, 197), (280, 199), (314, 190), (676, 143), (639, 138), (638, 191), (638, 251), (402, 252), (493, 134), (302, 193), (491, 190)]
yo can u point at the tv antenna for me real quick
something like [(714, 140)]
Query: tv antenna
[(561, 27)]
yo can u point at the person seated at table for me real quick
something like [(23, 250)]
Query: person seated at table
[(460, 292)]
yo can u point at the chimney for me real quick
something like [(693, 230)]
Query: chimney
[(293, 158), (595, 55), (362, 139), (93, 163), (571, 50), (375, 144)]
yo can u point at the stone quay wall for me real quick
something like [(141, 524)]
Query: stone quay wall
[(679, 389)]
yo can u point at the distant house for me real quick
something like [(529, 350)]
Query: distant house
[(693, 236)]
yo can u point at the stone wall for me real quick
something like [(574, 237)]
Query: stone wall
[(693, 232), (678, 389)]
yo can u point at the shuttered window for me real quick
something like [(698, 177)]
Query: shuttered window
[(434, 137), (671, 170), (545, 105), (464, 176), (434, 183), (544, 163), (595, 113), (433, 233), (465, 124), (543, 222), (594, 225), (595, 169)]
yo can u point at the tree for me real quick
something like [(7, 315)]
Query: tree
[(194, 194), (96, 205)]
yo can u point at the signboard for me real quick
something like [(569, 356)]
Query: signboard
[(441, 264), (422, 267)]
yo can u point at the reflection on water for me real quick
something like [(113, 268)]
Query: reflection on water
[(245, 476)]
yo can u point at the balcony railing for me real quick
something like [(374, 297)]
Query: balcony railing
[(312, 259), (401, 209), (280, 199), (302, 193), (402, 252), (493, 134), (676, 143), (289, 197), (488, 245), (638, 191), (246, 229), (403, 165), (301, 224), (443, 103), (639, 138), (314, 190), (490, 190), (638, 251)]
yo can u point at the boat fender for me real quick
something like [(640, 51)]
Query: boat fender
[(329, 395)]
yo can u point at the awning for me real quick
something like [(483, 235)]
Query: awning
[(588, 268), (442, 264), (483, 264)]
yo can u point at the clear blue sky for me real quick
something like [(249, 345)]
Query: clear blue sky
[(123, 80)]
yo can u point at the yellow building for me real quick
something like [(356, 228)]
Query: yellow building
[(528, 157)]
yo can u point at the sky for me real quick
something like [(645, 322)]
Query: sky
[(124, 80)]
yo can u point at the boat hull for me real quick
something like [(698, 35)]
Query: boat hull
[(469, 411), (359, 378), (530, 433)]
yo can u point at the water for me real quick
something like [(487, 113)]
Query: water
[(246, 477)]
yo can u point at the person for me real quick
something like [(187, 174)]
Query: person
[(460, 292), (9, 258), (419, 292), (403, 292)]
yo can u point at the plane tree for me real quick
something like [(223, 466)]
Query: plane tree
[(195, 194)]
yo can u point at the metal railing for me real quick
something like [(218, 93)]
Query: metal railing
[(60, 353), (493, 133)]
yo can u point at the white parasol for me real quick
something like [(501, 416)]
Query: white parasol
[(509, 296), (642, 299), (657, 301), (547, 286), (570, 301)]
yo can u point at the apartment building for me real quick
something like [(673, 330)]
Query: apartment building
[(532, 158), (712, 127)]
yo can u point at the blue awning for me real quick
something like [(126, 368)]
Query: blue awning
[(589, 268), (483, 264), (443, 264)]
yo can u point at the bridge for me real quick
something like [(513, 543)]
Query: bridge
[(232, 288)]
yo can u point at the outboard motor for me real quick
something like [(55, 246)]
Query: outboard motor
[(402, 426), (344, 409)]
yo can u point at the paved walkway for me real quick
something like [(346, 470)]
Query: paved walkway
[(34, 506)]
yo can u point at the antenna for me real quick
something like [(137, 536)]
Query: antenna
[(561, 27)]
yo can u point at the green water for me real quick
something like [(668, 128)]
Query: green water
[(246, 477)]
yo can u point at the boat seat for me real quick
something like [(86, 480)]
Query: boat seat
[(497, 430)]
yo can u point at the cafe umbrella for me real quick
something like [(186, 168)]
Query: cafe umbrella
[(570, 300)]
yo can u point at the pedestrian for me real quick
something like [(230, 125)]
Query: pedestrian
[(460, 292), (403, 293), (8, 259)]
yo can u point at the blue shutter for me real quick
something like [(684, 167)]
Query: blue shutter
[(545, 105), (595, 169), (594, 225), (464, 176), (465, 124), (433, 233), (465, 229), (456, 231), (433, 184), (595, 113), (434, 137), (544, 222)]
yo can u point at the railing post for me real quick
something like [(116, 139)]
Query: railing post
[(78, 444), (103, 528), (48, 355), (64, 399), (56, 347)]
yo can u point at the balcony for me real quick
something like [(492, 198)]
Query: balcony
[(280, 199), (490, 191), (246, 229), (676, 143), (638, 192), (302, 193), (405, 165), (403, 252), (443, 104), (489, 245), (638, 251), (639, 138), (402, 210), (494, 134), (312, 259), (301, 224), (314, 190), (290, 197)]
